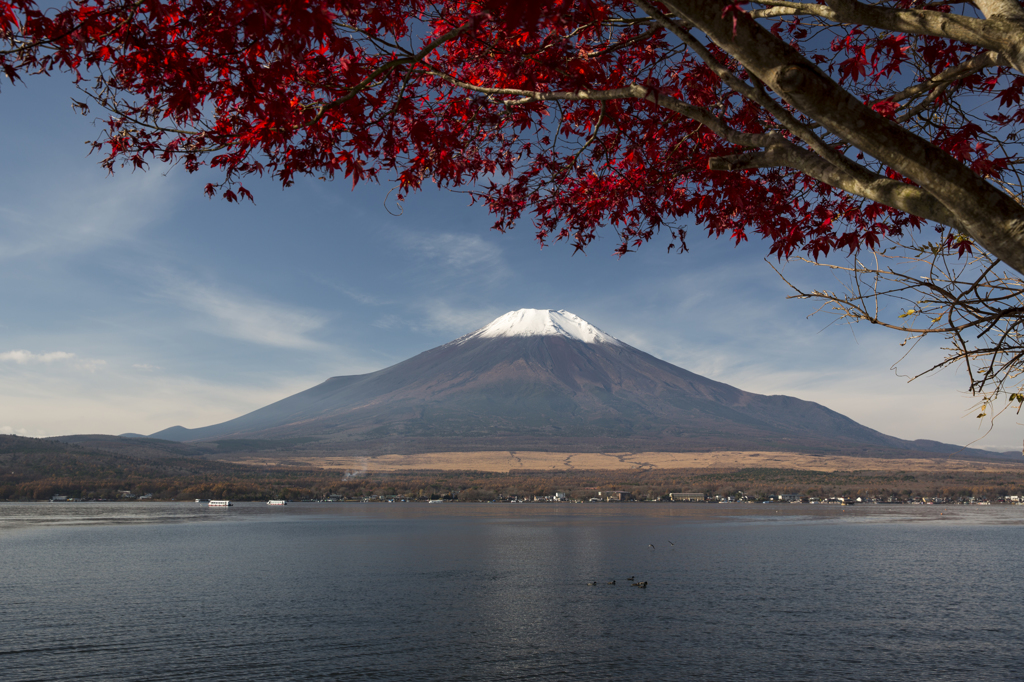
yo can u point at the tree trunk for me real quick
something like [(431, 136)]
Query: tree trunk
[(983, 211)]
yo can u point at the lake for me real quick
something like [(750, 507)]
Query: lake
[(349, 591)]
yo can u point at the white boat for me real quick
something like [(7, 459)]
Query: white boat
[(435, 501), (220, 503), (277, 502)]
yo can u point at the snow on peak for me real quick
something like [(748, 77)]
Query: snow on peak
[(530, 322)]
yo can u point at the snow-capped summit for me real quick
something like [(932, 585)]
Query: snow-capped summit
[(531, 322)]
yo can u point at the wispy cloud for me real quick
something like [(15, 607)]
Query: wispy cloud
[(54, 401), (459, 252), (387, 322), (442, 317), (25, 357), (87, 213), (365, 299), (246, 317), (355, 294)]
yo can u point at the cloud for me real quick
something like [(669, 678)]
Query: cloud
[(123, 400), (933, 408), (354, 294), (459, 252), (387, 322), (359, 297), (89, 212), (25, 357), (247, 318), (442, 317)]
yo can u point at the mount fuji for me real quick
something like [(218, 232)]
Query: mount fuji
[(546, 380)]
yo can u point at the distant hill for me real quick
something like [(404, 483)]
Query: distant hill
[(544, 380), (91, 467), (101, 457)]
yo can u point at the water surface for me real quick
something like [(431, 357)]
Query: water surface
[(155, 591)]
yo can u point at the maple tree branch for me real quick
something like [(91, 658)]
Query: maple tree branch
[(104, 99), (640, 92), (921, 106), (569, 165), (757, 95), (999, 31), (622, 44), (25, 44), (856, 180), (1002, 29), (839, 171), (781, 8), (986, 213), (962, 70), (717, 82), (993, 8), (390, 66)]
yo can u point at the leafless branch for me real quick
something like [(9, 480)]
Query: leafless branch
[(975, 303)]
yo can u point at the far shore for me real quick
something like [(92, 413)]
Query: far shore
[(509, 461)]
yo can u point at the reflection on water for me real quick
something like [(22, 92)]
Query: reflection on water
[(475, 591)]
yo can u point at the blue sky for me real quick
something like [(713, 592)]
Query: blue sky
[(133, 303)]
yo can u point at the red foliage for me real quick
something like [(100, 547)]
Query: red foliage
[(373, 90)]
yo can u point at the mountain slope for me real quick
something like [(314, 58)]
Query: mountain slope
[(543, 380)]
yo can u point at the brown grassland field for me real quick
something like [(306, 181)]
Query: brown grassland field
[(518, 461), (36, 469)]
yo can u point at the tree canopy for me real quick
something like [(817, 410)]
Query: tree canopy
[(821, 126)]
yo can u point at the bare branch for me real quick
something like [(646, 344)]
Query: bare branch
[(975, 304), (970, 67)]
